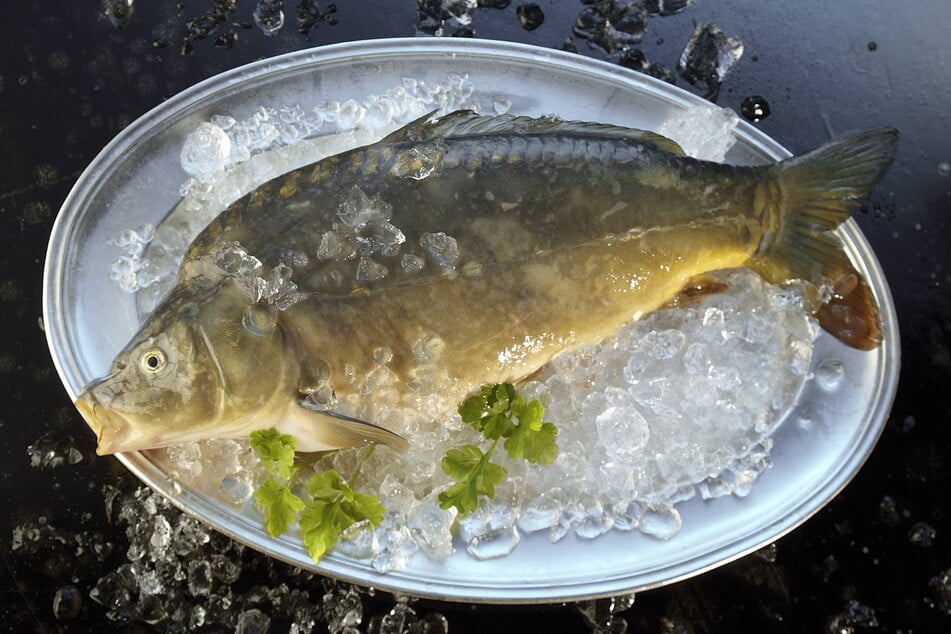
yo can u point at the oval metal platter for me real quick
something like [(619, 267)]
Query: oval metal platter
[(136, 179)]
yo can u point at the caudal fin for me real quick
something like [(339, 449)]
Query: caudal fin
[(820, 189)]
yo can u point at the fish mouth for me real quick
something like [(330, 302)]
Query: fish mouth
[(110, 428)]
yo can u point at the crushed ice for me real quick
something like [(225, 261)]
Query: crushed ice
[(678, 405), (226, 158)]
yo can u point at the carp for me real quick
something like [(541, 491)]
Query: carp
[(462, 250)]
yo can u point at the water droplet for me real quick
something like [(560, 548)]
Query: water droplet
[(226, 40), (922, 534), (269, 16), (829, 373), (118, 12), (309, 15), (755, 108), (944, 168), (67, 602), (530, 16)]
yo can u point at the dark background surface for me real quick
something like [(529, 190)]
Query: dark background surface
[(875, 560)]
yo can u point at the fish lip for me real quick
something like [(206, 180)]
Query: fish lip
[(109, 429)]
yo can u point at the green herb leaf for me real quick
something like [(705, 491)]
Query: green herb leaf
[(276, 451), (280, 506), (335, 508), (474, 476), (497, 426), (499, 412), (472, 409), (536, 446)]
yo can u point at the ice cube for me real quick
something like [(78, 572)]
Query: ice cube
[(623, 432), (703, 131), (358, 541), (205, 151), (253, 621), (661, 521), (708, 56), (442, 248), (431, 528), (541, 512), (269, 16), (369, 270), (412, 263), (396, 551)]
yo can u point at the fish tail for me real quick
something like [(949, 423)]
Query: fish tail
[(819, 192)]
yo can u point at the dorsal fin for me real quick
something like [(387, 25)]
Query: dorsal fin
[(466, 123)]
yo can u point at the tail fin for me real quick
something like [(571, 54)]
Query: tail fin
[(820, 189)]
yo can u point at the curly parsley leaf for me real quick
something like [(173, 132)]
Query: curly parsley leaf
[(537, 446), (334, 509), (331, 504), (280, 506), (276, 451), (498, 412), (474, 476)]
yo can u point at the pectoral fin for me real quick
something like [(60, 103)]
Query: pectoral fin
[(321, 430)]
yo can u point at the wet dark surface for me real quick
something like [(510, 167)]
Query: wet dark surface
[(877, 559)]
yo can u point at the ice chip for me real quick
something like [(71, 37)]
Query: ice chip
[(922, 534), (269, 16), (431, 528), (205, 151), (530, 16), (708, 56), (350, 115), (541, 512), (854, 616), (118, 12), (441, 248), (703, 131), (396, 551), (358, 541), (412, 263), (370, 271), (623, 431), (493, 544), (661, 521), (253, 621)]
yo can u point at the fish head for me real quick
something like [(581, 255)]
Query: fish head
[(199, 368)]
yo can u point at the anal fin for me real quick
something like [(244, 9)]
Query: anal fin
[(851, 314), (696, 288)]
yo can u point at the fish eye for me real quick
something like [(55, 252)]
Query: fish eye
[(153, 360)]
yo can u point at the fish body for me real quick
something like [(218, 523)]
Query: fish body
[(458, 251)]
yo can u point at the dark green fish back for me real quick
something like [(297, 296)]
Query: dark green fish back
[(451, 195)]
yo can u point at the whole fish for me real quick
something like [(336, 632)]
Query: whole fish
[(459, 251)]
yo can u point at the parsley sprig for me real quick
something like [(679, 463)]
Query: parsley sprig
[(327, 509), (501, 415)]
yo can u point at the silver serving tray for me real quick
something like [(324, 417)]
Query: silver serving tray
[(823, 442)]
